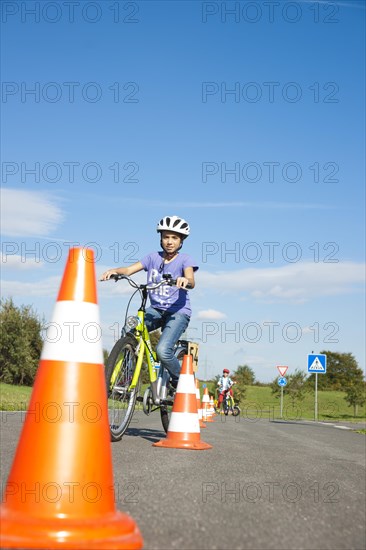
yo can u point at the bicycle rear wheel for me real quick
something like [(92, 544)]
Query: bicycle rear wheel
[(119, 371)]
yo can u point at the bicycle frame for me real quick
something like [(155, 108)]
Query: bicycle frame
[(144, 348)]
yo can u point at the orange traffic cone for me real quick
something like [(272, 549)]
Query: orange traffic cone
[(212, 407), (184, 428), (207, 417), (59, 493), (199, 406)]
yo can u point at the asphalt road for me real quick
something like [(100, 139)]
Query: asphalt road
[(263, 485)]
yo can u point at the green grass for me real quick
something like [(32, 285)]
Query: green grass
[(14, 398), (258, 403)]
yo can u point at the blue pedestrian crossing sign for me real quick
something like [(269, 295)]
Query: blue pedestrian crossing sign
[(317, 363), (282, 381)]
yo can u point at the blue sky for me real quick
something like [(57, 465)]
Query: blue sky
[(249, 124)]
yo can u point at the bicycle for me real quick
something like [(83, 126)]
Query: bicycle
[(228, 404), (125, 361)]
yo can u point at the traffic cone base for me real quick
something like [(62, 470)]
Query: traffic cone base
[(183, 443), (207, 417), (117, 531)]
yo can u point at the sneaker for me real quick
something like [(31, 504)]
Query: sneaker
[(171, 392)]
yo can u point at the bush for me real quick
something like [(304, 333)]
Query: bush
[(20, 343)]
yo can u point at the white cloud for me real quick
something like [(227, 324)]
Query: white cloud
[(296, 283), (28, 213), (45, 287), (18, 262), (210, 314), (48, 287)]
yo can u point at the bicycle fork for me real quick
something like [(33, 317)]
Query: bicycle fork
[(157, 393)]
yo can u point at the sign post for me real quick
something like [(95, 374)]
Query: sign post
[(317, 364), (282, 381)]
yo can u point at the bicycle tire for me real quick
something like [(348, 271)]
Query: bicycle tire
[(236, 410), (120, 367), (225, 405), (166, 410)]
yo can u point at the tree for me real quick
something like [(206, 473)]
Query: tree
[(20, 343), (239, 391), (295, 388), (356, 396), (244, 375), (342, 371)]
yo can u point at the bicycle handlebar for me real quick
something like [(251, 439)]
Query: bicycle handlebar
[(167, 279)]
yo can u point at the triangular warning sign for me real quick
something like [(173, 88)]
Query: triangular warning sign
[(282, 370), (317, 366)]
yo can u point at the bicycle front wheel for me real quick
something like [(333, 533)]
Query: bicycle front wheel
[(236, 410), (119, 371), (166, 410)]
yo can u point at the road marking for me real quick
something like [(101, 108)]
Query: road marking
[(342, 427)]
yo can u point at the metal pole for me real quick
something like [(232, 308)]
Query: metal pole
[(281, 401), (316, 397)]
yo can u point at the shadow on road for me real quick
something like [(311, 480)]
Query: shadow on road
[(149, 435)]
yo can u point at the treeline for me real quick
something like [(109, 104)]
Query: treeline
[(20, 343)]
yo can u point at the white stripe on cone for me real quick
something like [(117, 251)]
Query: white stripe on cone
[(186, 384), (184, 422), (198, 399), (74, 333)]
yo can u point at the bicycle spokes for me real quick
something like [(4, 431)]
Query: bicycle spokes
[(122, 375)]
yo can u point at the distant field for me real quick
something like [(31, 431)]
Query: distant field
[(259, 403)]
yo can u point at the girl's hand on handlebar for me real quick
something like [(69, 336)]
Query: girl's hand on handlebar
[(107, 275), (182, 282)]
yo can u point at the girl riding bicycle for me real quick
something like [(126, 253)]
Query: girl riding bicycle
[(224, 386), (170, 306)]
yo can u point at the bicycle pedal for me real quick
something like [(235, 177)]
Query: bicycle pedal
[(167, 402), (139, 398)]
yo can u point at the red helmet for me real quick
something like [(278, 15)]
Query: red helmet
[(226, 370)]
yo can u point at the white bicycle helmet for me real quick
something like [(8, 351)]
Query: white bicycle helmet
[(174, 223)]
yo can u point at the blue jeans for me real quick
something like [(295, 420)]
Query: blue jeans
[(172, 327)]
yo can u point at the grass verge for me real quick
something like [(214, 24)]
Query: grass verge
[(258, 403)]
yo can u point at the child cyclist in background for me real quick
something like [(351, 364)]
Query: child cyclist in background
[(224, 385), (170, 306)]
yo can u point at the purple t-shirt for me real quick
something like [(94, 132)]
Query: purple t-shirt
[(168, 297)]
